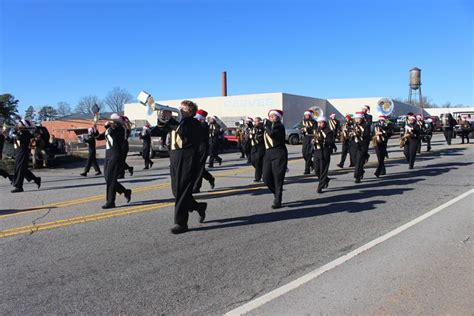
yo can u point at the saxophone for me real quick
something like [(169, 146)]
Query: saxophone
[(377, 139), (356, 133), (406, 136)]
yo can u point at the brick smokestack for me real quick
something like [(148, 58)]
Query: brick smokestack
[(224, 83)]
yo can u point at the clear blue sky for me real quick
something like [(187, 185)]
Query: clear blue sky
[(55, 51)]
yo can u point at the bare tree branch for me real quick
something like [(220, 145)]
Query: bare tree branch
[(116, 98)]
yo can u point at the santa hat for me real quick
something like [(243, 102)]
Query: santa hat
[(116, 117), (308, 112), (366, 107), (201, 115), (411, 117), (276, 112), (125, 118), (348, 116), (419, 116), (382, 117), (333, 115), (359, 115), (322, 119)]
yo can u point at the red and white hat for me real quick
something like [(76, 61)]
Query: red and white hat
[(322, 119), (309, 112), (276, 112), (333, 115), (359, 115), (411, 117), (419, 116), (366, 108), (382, 117), (201, 115), (116, 117), (348, 116)]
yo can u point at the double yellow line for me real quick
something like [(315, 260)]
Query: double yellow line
[(30, 229)]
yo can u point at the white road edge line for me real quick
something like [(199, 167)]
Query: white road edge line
[(259, 301)]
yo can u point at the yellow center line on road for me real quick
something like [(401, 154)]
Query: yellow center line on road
[(30, 229)]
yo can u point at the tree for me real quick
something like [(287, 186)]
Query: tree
[(8, 108), (116, 98), (30, 113), (85, 104), (47, 113), (63, 108)]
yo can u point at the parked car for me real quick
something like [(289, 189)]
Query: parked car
[(436, 122), (293, 135), (230, 136), (159, 148)]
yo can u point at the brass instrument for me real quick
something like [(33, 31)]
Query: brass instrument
[(164, 112), (318, 138), (377, 139), (406, 136), (356, 133)]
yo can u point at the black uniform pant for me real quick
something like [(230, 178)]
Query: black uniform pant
[(112, 169), (183, 170), (124, 164), (21, 170), (352, 153), (241, 149), (202, 172), (346, 150), (213, 152), (91, 162), (247, 149), (146, 155), (322, 159), (257, 154), (360, 153), (410, 149), (275, 163), (448, 135), (4, 174), (381, 152), (465, 135), (307, 151)]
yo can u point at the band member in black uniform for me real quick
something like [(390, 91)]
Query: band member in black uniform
[(367, 116), (185, 139), (382, 133), (127, 125), (429, 128), (246, 144), (346, 142), (465, 129), (335, 127), (421, 124), (448, 126), (92, 133), (145, 136), (114, 137), (258, 148), (411, 138), (239, 133), (275, 161), (21, 142), (203, 152), (323, 146), (214, 130), (360, 138), (309, 125)]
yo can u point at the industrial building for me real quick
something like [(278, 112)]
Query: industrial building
[(231, 109)]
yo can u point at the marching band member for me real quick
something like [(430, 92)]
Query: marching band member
[(309, 125), (184, 165), (214, 131), (247, 144), (360, 142), (323, 143), (411, 139), (465, 129), (258, 148), (421, 124), (203, 152), (448, 125), (346, 142), (366, 114), (92, 133), (127, 126), (21, 144), (380, 139), (429, 128), (275, 160), (335, 127), (145, 136), (114, 137)]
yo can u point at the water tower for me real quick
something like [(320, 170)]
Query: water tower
[(415, 87)]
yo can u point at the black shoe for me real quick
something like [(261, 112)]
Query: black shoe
[(411, 167), (146, 168), (325, 185), (257, 180), (84, 174), (306, 172), (319, 190), (108, 205), (196, 191), (351, 166), (220, 162), (130, 170), (16, 190), (151, 164), (211, 166), (340, 165), (38, 182), (212, 183), (357, 181), (128, 195), (276, 205), (98, 173), (376, 174), (201, 209), (178, 229)]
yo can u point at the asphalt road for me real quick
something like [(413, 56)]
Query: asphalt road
[(61, 253)]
